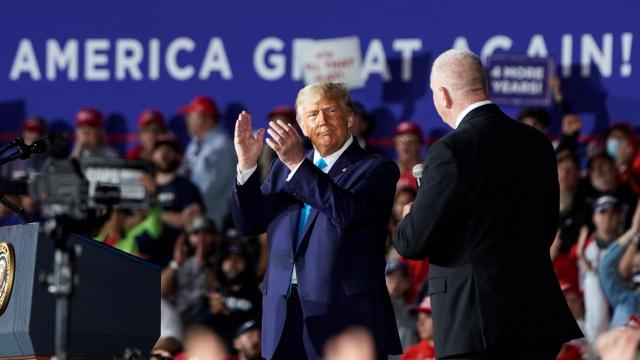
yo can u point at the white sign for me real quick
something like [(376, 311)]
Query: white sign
[(332, 60)]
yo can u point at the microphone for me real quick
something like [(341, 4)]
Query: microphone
[(417, 173), (24, 151)]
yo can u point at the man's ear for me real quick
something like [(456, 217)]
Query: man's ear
[(302, 127), (445, 97), (349, 121)]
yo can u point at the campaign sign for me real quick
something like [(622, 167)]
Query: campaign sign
[(519, 80), (332, 60)]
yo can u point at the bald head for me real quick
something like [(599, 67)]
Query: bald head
[(457, 79), (460, 71)]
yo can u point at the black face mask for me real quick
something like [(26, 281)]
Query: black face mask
[(602, 244)]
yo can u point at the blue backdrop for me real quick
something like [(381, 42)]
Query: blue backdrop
[(124, 56)]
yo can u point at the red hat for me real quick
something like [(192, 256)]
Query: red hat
[(408, 127), (283, 111), (407, 180), (202, 104), (89, 117), (425, 306), (33, 124), (151, 116)]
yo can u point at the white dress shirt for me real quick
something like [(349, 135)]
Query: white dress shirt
[(468, 109)]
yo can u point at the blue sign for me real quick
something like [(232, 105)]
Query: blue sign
[(519, 80), (124, 56)]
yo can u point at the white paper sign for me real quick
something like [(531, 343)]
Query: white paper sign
[(331, 60)]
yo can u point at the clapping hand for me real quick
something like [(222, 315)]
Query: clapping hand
[(248, 146)]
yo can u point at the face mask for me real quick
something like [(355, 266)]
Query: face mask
[(612, 147)]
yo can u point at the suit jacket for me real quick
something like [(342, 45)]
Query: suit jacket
[(340, 260), (486, 215)]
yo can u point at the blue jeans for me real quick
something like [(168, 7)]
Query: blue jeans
[(622, 298)]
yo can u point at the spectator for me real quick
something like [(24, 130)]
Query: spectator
[(578, 349), (536, 117), (90, 136), (203, 344), (622, 343), (408, 140), (608, 219), (187, 279), (151, 125), (210, 158), (177, 196), (418, 270), (622, 298), (362, 127), (573, 207), (247, 341), (605, 180), (397, 278), (171, 331), (123, 229), (32, 128), (352, 344), (237, 299), (621, 145), (423, 350)]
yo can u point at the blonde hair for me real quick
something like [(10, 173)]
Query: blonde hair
[(329, 89)]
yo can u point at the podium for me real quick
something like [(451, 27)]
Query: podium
[(115, 304)]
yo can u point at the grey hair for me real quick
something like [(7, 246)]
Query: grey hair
[(460, 71), (329, 89)]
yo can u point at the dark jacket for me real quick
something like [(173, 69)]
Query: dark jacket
[(486, 215)]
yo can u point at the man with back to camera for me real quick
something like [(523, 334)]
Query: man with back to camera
[(326, 215), (486, 215)]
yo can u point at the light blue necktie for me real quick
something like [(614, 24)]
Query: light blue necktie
[(306, 209)]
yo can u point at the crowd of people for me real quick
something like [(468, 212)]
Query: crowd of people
[(211, 273)]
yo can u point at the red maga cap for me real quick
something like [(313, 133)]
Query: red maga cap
[(408, 127), (33, 124), (283, 111), (89, 117), (151, 116), (201, 104)]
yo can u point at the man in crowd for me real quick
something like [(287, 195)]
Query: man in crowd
[(397, 278), (178, 198), (32, 128), (151, 125), (407, 142), (209, 159), (90, 136), (326, 214), (484, 184), (624, 301), (187, 279), (236, 299), (608, 218), (247, 341), (424, 349)]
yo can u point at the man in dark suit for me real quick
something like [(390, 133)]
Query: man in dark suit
[(326, 215), (486, 215)]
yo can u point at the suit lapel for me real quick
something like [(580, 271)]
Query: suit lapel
[(348, 158)]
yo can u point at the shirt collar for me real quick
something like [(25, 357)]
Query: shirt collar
[(210, 135), (468, 109), (332, 158)]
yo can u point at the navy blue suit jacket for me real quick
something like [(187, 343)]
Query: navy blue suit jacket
[(340, 261)]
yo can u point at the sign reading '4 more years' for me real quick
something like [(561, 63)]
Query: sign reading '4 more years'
[(519, 80)]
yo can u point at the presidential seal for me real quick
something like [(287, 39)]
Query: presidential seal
[(7, 271)]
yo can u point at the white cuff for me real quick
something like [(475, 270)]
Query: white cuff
[(243, 176), (294, 170)]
